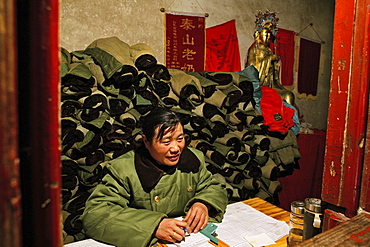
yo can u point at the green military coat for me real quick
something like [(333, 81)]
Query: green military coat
[(126, 208)]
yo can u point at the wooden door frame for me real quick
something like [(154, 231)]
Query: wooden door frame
[(348, 106), (45, 142), (10, 194), (39, 114), (347, 121)]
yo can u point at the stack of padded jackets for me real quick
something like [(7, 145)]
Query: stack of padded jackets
[(109, 86)]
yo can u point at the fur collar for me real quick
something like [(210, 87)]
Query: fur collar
[(150, 172)]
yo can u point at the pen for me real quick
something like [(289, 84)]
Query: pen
[(186, 230)]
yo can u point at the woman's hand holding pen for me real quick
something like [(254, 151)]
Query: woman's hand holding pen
[(197, 217), (171, 230), (174, 230)]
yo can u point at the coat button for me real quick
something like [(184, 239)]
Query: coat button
[(157, 198), (190, 189)]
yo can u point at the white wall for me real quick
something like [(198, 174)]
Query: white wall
[(137, 21)]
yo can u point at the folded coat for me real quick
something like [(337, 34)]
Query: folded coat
[(111, 54), (143, 56)]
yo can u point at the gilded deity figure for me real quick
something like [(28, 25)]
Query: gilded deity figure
[(264, 59)]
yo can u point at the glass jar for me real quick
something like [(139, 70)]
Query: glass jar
[(313, 217), (296, 223)]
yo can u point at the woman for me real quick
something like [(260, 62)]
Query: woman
[(145, 189)]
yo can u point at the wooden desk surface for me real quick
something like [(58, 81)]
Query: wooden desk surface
[(273, 211), (270, 210)]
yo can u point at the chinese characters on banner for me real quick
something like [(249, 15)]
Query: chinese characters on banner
[(185, 42)]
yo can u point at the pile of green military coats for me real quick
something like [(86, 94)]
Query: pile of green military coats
[(109, 86)]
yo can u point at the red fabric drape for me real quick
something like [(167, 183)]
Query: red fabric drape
[(308, 70), (185, 42), (222, 48), (305, 182), (285, 49)]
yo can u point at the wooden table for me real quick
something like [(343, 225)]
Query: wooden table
[(273, 211), (266, 208)]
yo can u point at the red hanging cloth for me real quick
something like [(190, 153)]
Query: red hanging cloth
[(308, 70), (222, 48), (285, 49)]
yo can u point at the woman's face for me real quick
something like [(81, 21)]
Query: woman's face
[(167, 151)]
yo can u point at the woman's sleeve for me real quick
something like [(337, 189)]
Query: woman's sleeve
[(210, 191), (108, 217)]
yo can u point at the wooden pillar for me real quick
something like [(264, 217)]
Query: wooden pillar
[(45, 122), (347, 116), (365, 181), (10, 196)]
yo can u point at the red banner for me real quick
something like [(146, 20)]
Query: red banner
[(222, 48), (285, 49), (308, 70), (185, 42)]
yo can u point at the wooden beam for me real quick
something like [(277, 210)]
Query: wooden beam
[(348, 103), (45, 122), (365, 181), (10, 195)]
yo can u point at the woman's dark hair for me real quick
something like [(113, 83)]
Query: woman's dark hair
[(162, 118)]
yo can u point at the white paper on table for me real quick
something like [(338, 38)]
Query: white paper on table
[(193, 240), (259, 240), (88, 243), (242, 220)]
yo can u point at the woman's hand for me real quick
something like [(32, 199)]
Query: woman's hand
[(197, 217), (171, 230)]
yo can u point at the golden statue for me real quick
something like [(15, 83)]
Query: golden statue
[(263, 58)]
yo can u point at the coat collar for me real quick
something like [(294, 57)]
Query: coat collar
[(150, 172)]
